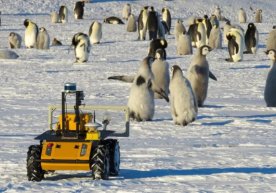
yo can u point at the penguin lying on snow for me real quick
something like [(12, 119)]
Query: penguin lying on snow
[(82, 46), (113, 20), (270, 86), (183, 101), (199, 74), (15, 40), (56, 42), (8, 54)]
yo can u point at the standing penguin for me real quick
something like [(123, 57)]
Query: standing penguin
[(208, 26), (199, 73), (235, 45), (258, 16), (160, 70), (31, 33), (82, 47), (179, 29), (215, 39), (43, 39), (200, 35), (95, 32), (226, 29), (63, 14), (184, 44), (131, 24), (79, 10), (251, 39), (183, 101), (242, 16), (141, 96), (217, 12), (142, 23), (54, 17), (166, 17), (270, 86), (271, 40), (15, 40), (152, 24), (155, 45), (126, 11)]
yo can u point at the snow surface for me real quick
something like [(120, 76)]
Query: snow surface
[(231, 147)]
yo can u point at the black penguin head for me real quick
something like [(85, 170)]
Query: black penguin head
[(271, 54), (42, 29), (140, 80), (159, 54), (151, 8), (163, 42), (205, 16), (251, 26), (26, 22), (12, 34), (274, 27), (175, 70), (146, 7), (204, 50)]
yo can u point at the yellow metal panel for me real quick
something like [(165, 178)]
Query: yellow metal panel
[(64, 166), (94, 135), (70, 121)]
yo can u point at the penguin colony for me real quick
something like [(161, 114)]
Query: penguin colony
[(152, 80)]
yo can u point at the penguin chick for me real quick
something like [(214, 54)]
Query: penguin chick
[(199, 73), (179, 29), (156, 44), (215, 39), (183, 101), (43, 39), (271, 40), (241, 15), (270, 86), (15, 40), (131, 24), (126, 11), (184, 44)]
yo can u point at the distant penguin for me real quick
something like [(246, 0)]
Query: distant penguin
[(79, 10), (217, 12), (182, 98), (126, 11), (54, 17), (162, 29), (271, 40), (141, 96), (56, 42), (8, 54), (155, 45), (82, 47), (31, 33), (166, 17), (226, 29), (213, 21), (258, 16), (131, 24), (235, 45), (179, 29), (242, 16), (63, 14), (184, 44), (15, 40), (208, 26), (113, 20), (200, 35), (215, 39), (152, 24), (160, 70), (95, 32), (199, 73), (270, 86), (43, 39), (251, 39), (142, 23)]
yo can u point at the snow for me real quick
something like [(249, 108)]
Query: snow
[(231, 147)]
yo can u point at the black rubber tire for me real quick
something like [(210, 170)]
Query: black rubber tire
[(100, 163), (114, 151), (34, 170)]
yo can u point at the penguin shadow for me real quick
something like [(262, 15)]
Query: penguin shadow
[(213, 106), (217, 123), (253, 67), (161, 119), (100, 1)]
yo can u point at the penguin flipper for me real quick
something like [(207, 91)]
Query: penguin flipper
[(212, 76), (162, 93), (128, 79)]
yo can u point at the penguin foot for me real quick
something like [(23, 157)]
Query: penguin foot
[(229, 59)]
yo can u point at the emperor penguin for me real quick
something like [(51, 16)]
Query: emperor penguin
[(54, 17), (113, 20), (131, 24), (184, 44), (200, 35), (215, 39), (79, 10), (15, 40), (178, 29), (208, 26), (56, 42), (8, 54), (251, 39), (31, 33), (271, 40), (226, 28), (217, 12), (155, 45), (270, 86), (241, 15), (166, 17), (182, 98), (82, 47), (235, 45), (152, 24), (142, 23), (126, 11), (199, 73), (258, 16), (141, 97), (95, 32), (161, 74), (63, 14), (43, 39)]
